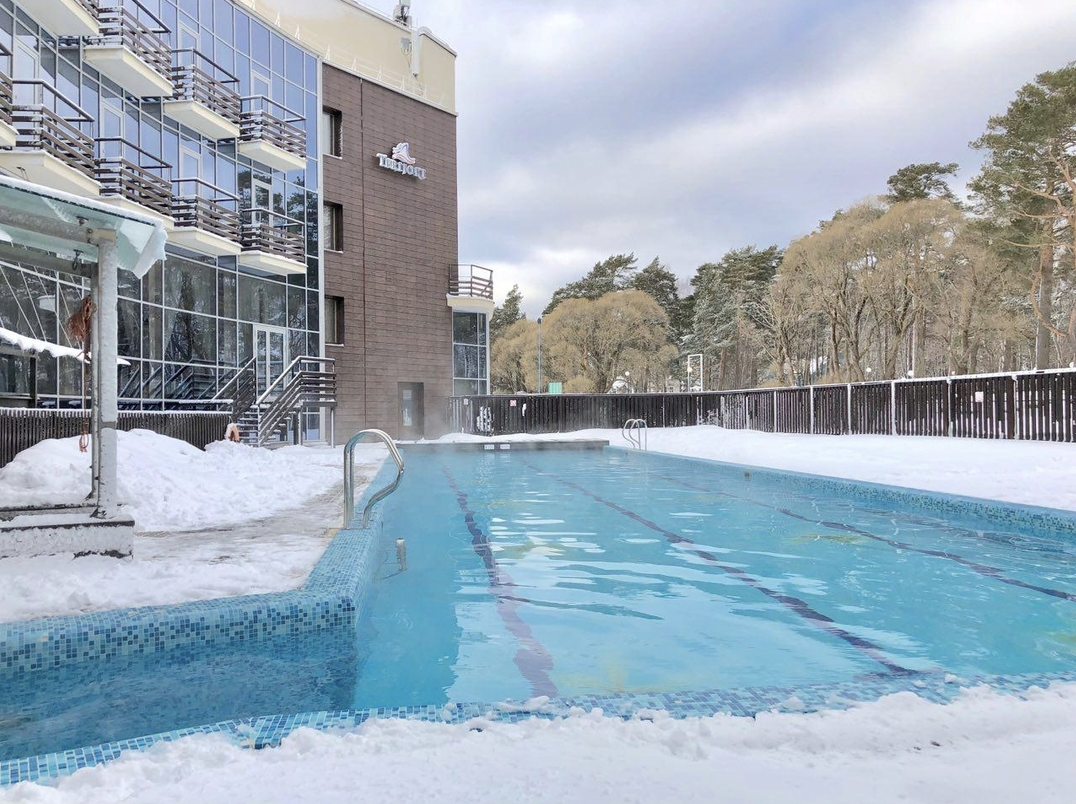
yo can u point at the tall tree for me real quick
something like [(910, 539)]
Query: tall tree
[(592, 343), (1029, 179), (659, 283), (921, 181), (506, 314), (513, 360), (612, 273)]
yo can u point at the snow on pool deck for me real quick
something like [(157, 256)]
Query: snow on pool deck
[(986, 747)]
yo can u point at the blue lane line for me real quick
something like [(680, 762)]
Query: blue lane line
[(794, 604), (532, 658), (982, 569)]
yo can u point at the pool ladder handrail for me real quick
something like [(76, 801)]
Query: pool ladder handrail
[(349, 476), (634, 432)]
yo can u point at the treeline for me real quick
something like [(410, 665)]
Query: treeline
[(911, 283)]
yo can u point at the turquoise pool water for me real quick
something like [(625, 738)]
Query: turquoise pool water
[(596, 572)]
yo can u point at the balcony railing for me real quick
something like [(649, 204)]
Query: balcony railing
[(264, 120), (196, 78), (133, 26), (125, 170), (264, 230), (47, 121), (472, 281), (7, 91), (199, 205)]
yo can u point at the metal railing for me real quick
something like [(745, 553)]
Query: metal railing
[(265, 230), (241, 389), (309, 382), (48, 121), (125, 170), (197, 78), (634, 432), (473, 281), (349, 476), (7, 90), (199, 205), (263, 119), (133, 26)]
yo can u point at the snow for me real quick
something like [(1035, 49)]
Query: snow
[(188, 506)]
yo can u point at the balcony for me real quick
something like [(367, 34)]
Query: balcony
[(272, 242), (64, 17), (133, 179), (205, 97), (130, 50), (206, 218), (470, 287), (266, 134), (8, 134), (50, 147)]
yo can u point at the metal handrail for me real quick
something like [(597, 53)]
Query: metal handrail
[(349, 476), (634, 432)]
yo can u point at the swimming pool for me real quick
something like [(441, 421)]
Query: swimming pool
[(600, 577), (542, 573)]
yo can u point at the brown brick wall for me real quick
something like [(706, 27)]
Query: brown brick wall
[(399, 241)]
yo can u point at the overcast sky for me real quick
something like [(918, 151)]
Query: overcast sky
[(683, 129)]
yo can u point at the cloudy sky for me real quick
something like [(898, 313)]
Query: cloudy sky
[(684, 129)]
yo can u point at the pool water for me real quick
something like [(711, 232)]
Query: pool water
[(571, 573)]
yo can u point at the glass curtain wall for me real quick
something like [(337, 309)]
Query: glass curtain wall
[(189, 324)]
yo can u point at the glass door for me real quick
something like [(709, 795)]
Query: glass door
[(271, 351)]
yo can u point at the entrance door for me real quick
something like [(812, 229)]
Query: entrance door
[(271, 349), (412, 419)]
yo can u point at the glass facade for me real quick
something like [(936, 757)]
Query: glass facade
[(188, 325), (470, 354)]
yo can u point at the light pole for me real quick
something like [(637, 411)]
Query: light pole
[(539, 354)]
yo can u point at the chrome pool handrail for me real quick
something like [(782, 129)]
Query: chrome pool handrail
[(634, 432), (349, 476)]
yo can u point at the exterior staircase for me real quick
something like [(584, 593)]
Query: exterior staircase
[(275, 417)]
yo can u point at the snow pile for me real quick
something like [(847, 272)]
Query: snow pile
[(984, 748), (167, 484)]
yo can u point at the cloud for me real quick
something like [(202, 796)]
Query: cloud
[(682, 130)]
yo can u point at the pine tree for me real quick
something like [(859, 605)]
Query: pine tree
[(506, 314)]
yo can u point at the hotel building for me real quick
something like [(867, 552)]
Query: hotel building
[(302, 157)]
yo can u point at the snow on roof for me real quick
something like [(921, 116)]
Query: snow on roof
[(35, 346)]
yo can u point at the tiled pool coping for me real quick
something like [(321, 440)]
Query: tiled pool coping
[(332, 598)]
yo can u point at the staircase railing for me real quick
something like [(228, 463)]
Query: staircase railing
[(309, 382), (241, 389), (349, 476)]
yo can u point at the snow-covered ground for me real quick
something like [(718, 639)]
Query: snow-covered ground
[(193, 511)]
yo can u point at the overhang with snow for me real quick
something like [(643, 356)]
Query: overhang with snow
[(99, 240)]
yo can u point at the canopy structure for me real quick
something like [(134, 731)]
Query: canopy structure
[(99, 240)]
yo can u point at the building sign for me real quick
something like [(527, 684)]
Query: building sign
[(401, 161)]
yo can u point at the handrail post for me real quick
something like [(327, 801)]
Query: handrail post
[(349, 481)]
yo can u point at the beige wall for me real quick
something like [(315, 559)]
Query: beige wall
[(364, 42)]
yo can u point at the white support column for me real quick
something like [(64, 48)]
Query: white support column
[(105, 353)]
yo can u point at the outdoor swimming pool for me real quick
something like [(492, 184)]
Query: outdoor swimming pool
[(591, 576), (597, 572)]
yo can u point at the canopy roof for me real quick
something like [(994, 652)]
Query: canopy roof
[(59, 223)]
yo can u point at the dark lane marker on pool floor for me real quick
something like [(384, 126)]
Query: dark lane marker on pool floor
[(532, 658), (982, 569), (794, 604)]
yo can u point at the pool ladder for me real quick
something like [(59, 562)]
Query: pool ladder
[(634, 432), (349, 476)]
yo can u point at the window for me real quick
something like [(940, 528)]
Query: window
[(333, 226), (334, 320), (469, 354), (331, 132)]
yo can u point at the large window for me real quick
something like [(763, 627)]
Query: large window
[(469, 354)]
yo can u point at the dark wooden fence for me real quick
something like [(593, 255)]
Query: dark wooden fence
[(21, 428), (1034, 406)]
